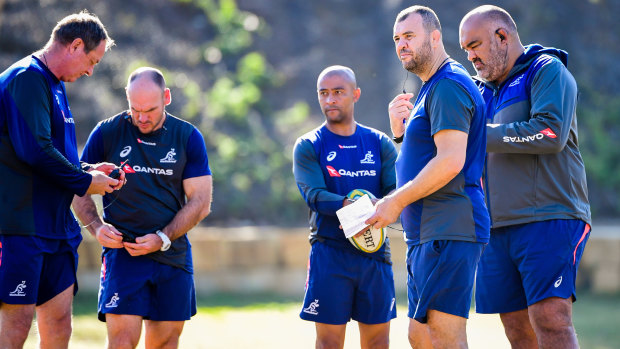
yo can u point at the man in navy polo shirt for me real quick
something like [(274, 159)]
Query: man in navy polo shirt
[(40, 172), (330, 161), (535, 182), (438, 172), (147, 271)]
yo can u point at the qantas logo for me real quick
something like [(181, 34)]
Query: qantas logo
[(67, 120), (145, 142), (157, 171), (333, 172), (128, 169), (347, 146), (339, 173), (546, 132)]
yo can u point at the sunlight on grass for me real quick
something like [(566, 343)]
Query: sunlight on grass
[(269, 321)]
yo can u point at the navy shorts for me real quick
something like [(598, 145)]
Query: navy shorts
[(441, 277), (144, 287), (527, 263), (34, 270), (343, 285)]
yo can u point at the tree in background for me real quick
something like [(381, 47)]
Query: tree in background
[(225, 68), (249, 143)]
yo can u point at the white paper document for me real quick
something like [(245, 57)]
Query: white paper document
[(353, 216)]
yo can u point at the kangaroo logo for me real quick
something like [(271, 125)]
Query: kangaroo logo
[(112, 302), (367, 159), (311, 309), (169, 159), (19, 290)]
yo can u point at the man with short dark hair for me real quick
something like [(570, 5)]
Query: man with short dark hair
[(147, 270), (535, 182), (330, 161), (41, 173), (439, 196)]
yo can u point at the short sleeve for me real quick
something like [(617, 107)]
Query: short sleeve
[(450, 107), (197, 160)]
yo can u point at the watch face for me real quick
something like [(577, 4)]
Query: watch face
[(165, 240)]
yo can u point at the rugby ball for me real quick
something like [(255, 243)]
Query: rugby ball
[(372, 239)]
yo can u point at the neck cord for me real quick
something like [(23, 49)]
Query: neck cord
[(106, 206), (442, 63)]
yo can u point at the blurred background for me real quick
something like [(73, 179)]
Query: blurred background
[(244, 72)]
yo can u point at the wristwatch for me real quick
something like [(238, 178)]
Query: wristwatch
[(165, 239)]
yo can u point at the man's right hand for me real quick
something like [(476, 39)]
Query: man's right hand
[(399, 110), (108, 236), (101, 184)]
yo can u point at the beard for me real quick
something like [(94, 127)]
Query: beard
[(495, 65), (419, 61)]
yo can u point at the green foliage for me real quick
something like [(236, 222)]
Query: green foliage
[(600, 147), (246, 139)]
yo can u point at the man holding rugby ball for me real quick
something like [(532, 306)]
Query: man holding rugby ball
[(330, 161)]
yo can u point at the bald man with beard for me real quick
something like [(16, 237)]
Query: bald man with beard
[(147, 269), (535, 182)]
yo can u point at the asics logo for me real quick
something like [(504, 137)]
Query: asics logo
[(125, 151), (558, 282), (517, 81), (331, 156)]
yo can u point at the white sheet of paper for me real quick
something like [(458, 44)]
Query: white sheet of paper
[(352, 216)]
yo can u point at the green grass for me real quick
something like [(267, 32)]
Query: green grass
[(596, 318)]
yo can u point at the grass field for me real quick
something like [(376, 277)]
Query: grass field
[(267, 321)]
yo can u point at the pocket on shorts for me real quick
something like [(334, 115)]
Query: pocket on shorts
[(438, 245)]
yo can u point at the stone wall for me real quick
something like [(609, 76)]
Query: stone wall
[(273, 259)]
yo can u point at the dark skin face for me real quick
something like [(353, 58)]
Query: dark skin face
[(337, 95), (488, 52)]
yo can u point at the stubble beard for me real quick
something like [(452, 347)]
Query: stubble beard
[(495, 65), (418, 64)]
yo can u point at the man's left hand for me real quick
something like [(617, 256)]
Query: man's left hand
[(146, 244)]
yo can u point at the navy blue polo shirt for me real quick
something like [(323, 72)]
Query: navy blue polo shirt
[(158, 163)]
